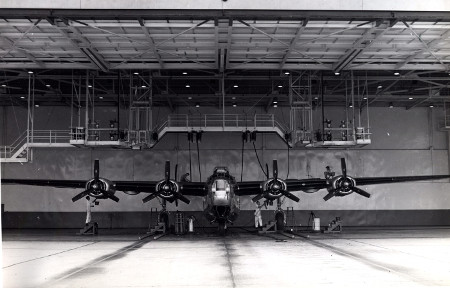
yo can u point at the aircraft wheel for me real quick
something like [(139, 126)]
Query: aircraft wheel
[(279, 217), (221, 228), (164, 217)]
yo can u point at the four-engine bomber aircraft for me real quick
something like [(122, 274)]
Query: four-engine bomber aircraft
[(221, 188)]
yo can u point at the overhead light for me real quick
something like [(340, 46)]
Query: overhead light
[(235, 86), (365, 98), (275, 100), (316, 98), (350, 105), (396, 73), (431, 105), (30, 72), (286, 73), (234, 104), (188, 86), (22, 97), (36, 105), (197, 104), (89, 86), (391, 105), (280, 86), (189, 98), (47, 85), (143, 86), (101, 97), (379, 87), (410, 98), (184, 73), (337, 73), (136, 73), (3, 85), (233, 98), (275, 105)]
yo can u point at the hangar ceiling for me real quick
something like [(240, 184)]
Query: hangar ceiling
[(399, 58)]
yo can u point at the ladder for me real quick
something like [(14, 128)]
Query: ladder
[(290, 219)]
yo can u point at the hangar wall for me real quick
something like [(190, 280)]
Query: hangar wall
[(404, 142)]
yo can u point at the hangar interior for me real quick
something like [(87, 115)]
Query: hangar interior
[(220, 83)]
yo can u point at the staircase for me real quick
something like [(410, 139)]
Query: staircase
[(20, 150)]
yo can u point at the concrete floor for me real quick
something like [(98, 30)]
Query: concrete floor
[(354, 258)]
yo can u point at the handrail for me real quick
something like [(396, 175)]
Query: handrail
[(221, 120)]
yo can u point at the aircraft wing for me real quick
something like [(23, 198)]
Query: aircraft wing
[(50, 183), (193, 188), (255, 187), (385, 180)]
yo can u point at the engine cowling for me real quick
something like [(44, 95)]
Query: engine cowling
[(98, 188), (341, 186), (167, 189), (273, 188)]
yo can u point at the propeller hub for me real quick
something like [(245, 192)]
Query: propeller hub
[(276, 187), (95, 186), (166, 188)]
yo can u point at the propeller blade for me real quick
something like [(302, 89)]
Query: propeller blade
[(182, 198), (328, 196), (290, 195), (167, 175), (343, 168), (176, 202), (275, 169), (258, 197), (267, 171), (96, 170), (176, 172), (81, 195), (360, 192), (113, 197), (149, 197)]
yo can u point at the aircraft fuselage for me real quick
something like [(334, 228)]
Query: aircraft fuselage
[(220, 204)]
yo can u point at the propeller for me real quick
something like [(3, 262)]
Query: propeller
[(167, 188), (344, 185), (96, 187), (275, 187)]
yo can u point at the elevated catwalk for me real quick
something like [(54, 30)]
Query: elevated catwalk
[(370, 257)]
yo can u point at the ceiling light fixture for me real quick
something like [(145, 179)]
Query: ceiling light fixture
[(30, 72), (391, 105), (286, 73), (234, 104), (235, 86), (136, 73), (47, 85), (189, 98), (143, 86), (233, 98), (337, 73), (365, 98), (3, 85), (280, 86), (89, 86), (431, 105), (197, 104), (396, 73), (101, 97), (188, 86), (36, 105), (22, 97), (410, 98), (275, 100), (379, 87), (184, 73)]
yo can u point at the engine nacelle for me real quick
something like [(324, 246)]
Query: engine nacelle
[(96, 188), (166, 189), (272, 188), (341, 186)]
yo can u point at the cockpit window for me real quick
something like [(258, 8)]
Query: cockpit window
[(220, 184)]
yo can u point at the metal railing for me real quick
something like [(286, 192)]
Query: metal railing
[(223, 120), (9, 150), (49, 136)]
